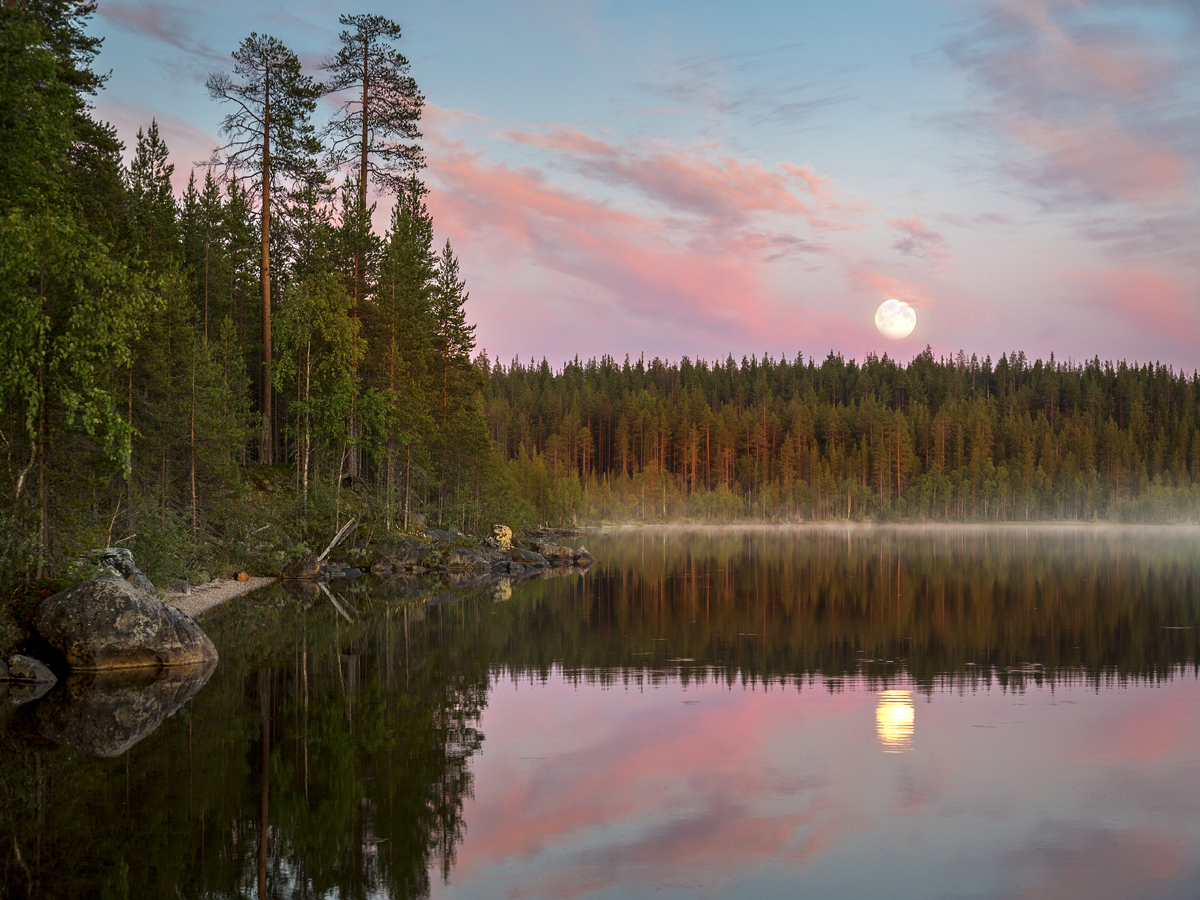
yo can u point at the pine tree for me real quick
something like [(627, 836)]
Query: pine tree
[(271, 144), (375, 127)]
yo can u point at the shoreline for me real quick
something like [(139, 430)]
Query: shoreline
[(204, 597)]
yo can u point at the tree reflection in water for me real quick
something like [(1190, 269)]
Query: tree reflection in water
[(329, 757)]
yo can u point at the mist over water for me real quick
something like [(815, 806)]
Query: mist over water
[(744, 711)]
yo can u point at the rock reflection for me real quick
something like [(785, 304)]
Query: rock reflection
[(106, 713), (894, 718)]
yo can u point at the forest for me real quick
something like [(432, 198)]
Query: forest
[(950, 439), (218, 376), (215, 378)]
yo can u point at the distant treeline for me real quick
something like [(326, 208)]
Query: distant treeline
[(937, 439)]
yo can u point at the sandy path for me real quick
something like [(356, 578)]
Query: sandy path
[(204, 597)]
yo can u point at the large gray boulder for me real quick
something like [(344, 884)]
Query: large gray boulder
[(106, 713), (107, 623)]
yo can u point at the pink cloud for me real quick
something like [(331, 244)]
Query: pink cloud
[(697, 268), (1100, 157), (701, 181), (917, 239), (1146, 302), (1081, 89)]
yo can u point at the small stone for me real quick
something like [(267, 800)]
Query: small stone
[(26, 668)]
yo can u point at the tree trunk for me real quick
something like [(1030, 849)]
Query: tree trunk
[(267, 445)]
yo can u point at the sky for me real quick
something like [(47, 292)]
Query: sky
[(703, 178)]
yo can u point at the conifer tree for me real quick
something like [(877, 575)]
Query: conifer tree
[(399, 321), (376, 126), (454, 339), (271, 145)]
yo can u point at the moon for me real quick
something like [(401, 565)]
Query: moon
[(895, 319)]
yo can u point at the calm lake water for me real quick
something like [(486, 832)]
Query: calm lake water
[(757, 712)]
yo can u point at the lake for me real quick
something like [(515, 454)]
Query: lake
[(743, 712)]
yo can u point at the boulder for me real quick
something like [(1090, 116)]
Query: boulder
[(303, 567), (106, 713), (502, 537), (461, 558), (554, 553), (492, 555), (528, 557), (108, 623), (121, 560), (400, 552), (438, 535), (26, 668)]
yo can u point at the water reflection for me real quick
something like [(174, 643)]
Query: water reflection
[(106, 713), (894, 718), (702, 713)]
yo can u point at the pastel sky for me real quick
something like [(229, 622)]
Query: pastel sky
[(703, 178)]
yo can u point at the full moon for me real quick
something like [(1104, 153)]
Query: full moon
[(895, 319)]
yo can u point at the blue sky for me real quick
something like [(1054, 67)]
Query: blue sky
[(704, 178)]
